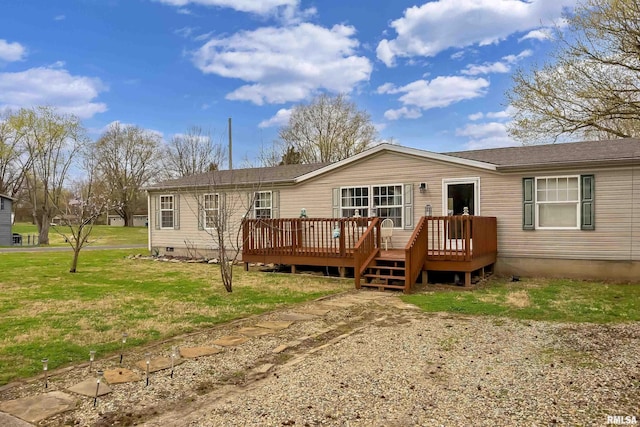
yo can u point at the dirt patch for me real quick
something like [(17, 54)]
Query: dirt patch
[(519, 299)]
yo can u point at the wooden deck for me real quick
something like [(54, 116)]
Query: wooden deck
[(456, 243)]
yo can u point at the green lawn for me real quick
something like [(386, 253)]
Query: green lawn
[(102, 235), (48, 312), (537, 299)]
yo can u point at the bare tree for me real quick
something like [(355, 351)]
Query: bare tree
[(191, 153), (127, 159), (14, 159), (591, 87), (82, 210), (53, 142), (327, 130)]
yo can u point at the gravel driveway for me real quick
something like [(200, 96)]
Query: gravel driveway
[(373, 361)]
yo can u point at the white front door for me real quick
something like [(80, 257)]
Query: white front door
[(459, 195)]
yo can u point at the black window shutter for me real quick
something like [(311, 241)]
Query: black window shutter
[(587, 202), (528, 204)]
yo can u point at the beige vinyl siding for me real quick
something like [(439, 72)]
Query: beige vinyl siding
[(610, 240), (191, 235), (617, 206), (500, 196)]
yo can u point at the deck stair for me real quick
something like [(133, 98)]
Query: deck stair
[(385, 272)]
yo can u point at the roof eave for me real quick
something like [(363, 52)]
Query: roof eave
[(397, 149), (572, 164)]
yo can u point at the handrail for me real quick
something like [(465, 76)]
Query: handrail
[(415, 253), (366, 249), (327, 237)]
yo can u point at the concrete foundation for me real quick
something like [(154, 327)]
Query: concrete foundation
[(609, 271)]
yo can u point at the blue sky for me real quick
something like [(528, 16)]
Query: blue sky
[(432, 75)]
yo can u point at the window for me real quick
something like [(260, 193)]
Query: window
[(166, 211), (559, 202), (388, 201), (262, 206), (352, 199), (385, 201), (211, 210)]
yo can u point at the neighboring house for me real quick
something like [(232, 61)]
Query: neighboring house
[(6, 238), (139, 220), (569, 210)]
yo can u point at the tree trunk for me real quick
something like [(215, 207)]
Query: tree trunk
[(74, 262), (43, 229)]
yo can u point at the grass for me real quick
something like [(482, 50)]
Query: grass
[(102, 235), (48, 312), (557, 300)]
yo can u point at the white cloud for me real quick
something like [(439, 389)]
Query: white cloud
[(404, 112), (476, 116), (542, 34), (261, 7), (284, 10), (439, 92), (59, 18), (439, 25), (281, 118), (486, 135), (52, 86), (157, 133), (503, 66), (286, 63), (11, 52)]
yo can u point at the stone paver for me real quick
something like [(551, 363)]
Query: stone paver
[(7, 420), (254, 332), (297, 317), (318, 311), (193, 352), (120, 376), (88, 388), (344, 303), (37, 408), (263, 369), (274, 325), (231, 341), (158, 364)]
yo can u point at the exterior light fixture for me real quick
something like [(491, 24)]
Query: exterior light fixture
[(95, 398), (45, 368), (124, 340)]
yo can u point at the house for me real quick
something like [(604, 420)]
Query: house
[(570, 210), (139, 220), (6, 238)]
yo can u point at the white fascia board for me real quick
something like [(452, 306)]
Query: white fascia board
[(402, 150)]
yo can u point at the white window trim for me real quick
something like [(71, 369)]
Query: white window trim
[(476, 192), (370, 206), (270, 208), (537, 203), (173, 207), (205, 210)]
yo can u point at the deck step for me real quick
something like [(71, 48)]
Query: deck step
[(383, 277), (382, 286), (386, 267)]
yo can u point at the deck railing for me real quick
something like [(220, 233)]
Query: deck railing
[(367, 248), (333, 237), (460, 237), (415, 253)]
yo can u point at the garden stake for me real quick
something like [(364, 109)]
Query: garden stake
[(148, 356), (173, 356), (124, 340), (45, 367), (92, 356), (95, 399)]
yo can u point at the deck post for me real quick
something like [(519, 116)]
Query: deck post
[(293, 269), (425, 277), (467, 279), (343, 249), (342, 271), (246, 266)]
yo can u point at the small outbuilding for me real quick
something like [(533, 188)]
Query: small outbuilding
[(6, 203)]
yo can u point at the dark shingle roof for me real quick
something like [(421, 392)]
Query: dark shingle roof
[(248, 176), (556, 154)]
